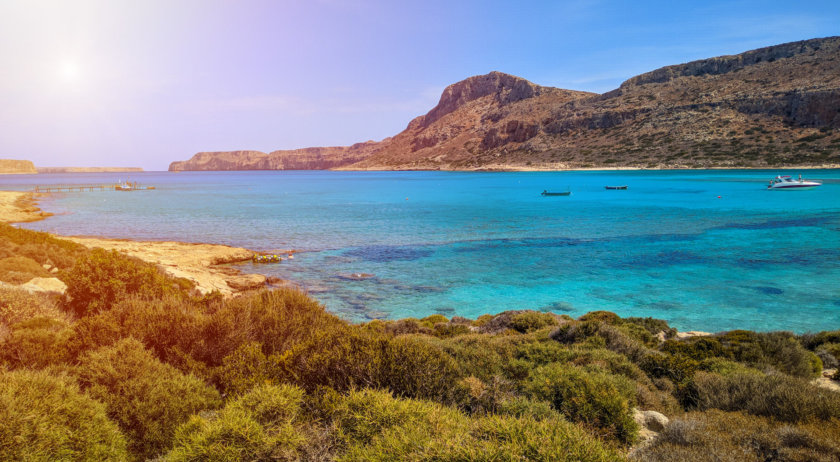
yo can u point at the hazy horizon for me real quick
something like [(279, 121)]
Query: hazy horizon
[(96, 83)]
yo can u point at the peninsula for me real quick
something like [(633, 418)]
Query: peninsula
[(770, 107)]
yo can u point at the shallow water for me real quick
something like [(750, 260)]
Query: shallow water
[(705, 250)]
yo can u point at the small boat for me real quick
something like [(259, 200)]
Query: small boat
[(788, 183), (615, 187), (562, 193), (124, 186)]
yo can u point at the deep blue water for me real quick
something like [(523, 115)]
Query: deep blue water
[(705, 250)]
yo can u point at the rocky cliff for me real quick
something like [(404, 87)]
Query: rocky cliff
[(295, 159), (774, 106), (16, 166)]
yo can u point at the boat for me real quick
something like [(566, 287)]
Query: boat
[(561, 193), (615, 187), (124, 186), (786, 182)]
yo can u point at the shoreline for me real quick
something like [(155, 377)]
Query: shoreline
[(203, 264)]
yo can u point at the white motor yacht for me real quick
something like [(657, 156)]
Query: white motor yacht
[(786, 182)]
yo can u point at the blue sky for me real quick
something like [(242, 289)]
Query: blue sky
[(143, 83)]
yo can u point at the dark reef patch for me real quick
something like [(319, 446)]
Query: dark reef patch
[(767, 290), (389, 253)]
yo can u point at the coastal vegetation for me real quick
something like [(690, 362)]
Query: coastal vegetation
[(132, 364)]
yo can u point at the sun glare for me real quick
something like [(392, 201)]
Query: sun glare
[(69, 71)]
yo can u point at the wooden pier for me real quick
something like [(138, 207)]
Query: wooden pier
[(54, 188)]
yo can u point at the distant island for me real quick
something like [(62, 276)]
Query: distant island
[(12, 166), (88, 169), (770, 107)]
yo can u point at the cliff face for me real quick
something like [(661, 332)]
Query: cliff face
[(769, 107), (16, 166), (296, 159)]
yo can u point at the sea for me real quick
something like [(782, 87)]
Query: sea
[(707, 250)]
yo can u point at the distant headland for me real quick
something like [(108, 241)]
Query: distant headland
[(777, 106), (12, 166)]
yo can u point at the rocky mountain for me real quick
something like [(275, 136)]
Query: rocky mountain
[(16, 166), (769, 107)]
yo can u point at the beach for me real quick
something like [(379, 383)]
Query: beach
[(203, 264)]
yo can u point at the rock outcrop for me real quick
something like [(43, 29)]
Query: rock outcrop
[(771, 107), (11, 166)]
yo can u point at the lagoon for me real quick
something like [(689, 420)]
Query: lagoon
[(704, 249)]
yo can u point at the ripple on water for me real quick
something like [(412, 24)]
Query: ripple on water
[(389, 253)]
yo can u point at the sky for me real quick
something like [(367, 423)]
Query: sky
[(144, 83)]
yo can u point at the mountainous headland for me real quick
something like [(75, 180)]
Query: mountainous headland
[(770, 107), (12, 166)]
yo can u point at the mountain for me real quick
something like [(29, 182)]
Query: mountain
[(774, 106), (296, 159), (16, 166)]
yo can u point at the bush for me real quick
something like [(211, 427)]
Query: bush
[(787, 399), (263, 424), (147, 398), (716, 435), (601, 401), (780, 350), (653, 326), (41, 247), (829, 354), (531, 320), (374, 426), (18, 305), (36, 343), (46, 417), (102, 278), (18, 270)]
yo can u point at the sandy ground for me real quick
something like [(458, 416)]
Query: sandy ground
[(18, 207), (201, 263)]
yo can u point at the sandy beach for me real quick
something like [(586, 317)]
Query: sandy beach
[(204, 264)]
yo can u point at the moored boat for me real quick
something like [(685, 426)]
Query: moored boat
[(560, 193), (616, 187), (786, 182)]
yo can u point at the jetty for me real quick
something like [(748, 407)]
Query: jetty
[(125, 186)]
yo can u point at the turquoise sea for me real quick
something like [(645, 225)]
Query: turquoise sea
[(706, 250)]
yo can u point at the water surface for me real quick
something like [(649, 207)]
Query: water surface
[(705, 250)]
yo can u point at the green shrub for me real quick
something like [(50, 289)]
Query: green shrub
[(41, 247), (147, 398), (531, 320), (18, 270), (18, 305), (601, 401), (355, 358), (653, 326), (374, 426), (102, 278), (36, 343), (46, 417), (787, 399), (780, 350), (829, 354), (432, 320), (716, 435), (698, 348), (606, 317), (263, 424)]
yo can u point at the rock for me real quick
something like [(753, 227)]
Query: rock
[(246, 281), (46, 285), (654, 421), (826, 381), (692, 333)]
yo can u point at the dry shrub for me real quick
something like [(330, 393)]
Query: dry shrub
[(18, 305), (784, 398), (18, 270), (718, 435)]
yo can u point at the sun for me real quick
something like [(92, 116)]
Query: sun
[(69, 71)]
